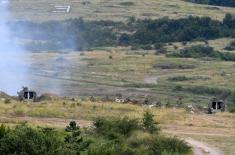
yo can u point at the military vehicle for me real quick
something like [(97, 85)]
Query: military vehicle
[(27, 95), (216, 106)]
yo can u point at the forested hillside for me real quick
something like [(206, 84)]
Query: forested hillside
[(229, 3), (78, 34)]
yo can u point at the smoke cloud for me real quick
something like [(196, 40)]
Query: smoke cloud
[(13, 67)]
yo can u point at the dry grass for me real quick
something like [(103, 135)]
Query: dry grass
[(86, 110)]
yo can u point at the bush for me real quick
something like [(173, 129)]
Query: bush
[(121, 126), (149, 124), (26, 140), (169, 146), (206, 90), (73, 140), (178, 78), (3, 130), (174, 66), (232, 110), (158, 46), (231, 46), (146, 47), (7, 101), (127, 3), (178, 88), (199, 51), (185, 78)]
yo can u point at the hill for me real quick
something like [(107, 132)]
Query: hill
[(42, 10)]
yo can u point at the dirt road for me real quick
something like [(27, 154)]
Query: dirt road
[(50, 122), (200, 148)]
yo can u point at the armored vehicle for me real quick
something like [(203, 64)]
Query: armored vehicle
[(27, 95)]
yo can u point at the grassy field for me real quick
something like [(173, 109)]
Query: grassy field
[(41, 10), (217, 130), (134, 74)]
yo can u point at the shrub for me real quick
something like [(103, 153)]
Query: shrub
[(178, 88), (169, 146), (206, 90), (149, 123), (162, 50), (7, 101), (185, 78), (146, 47), (26, 140), (3, 130), (199, 51), (127, 3), (121, 126), (232, 110), (126, 125), (178, 78), (73, 140), (174, 66), (231, 46), (158, 46)]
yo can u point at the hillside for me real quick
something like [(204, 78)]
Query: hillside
[(41, 10)]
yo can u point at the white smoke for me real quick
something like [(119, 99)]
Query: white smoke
[(12, 57)]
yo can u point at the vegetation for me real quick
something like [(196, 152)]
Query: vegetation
[(127, 3), (26, 140), (185, 78), (149, 124), (219, 92), (108, 137), (232, 110), (200, 51), (78, 34), (229, 3), (231, 46)]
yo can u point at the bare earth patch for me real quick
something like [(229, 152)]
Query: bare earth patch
[(200, 148)]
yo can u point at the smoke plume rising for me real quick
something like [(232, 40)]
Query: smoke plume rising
[(13, 68)]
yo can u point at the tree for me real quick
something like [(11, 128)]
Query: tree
[(149, 123), (229, 20), (74, 140)]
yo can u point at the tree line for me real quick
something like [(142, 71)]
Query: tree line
[(78, 34), (229, 3)]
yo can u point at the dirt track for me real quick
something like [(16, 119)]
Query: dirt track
[(200, 148), (50, 122)]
